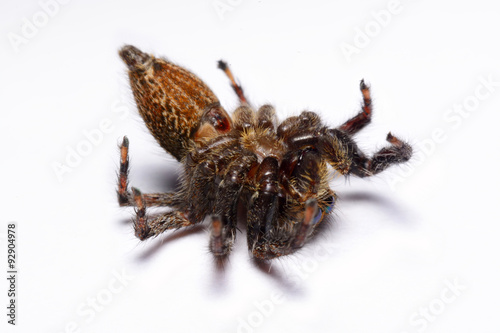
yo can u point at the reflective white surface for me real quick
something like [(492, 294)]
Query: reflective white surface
[(413, 249)]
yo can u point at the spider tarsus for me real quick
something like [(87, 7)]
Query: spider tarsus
[(123, 195), (142, 230), (221, 64), (367, 101), (402, 146), (238, 89), (363, 85), (139, 203), (125, 142), (124, 169), (142, 233)]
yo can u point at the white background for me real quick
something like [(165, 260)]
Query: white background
[(398, 240)]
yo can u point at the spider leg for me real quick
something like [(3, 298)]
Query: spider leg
[(262, 210), (294, 128), (145, 228), (236, 87), (223, 221), (205, 167), (364, 117), (125, 197), (201, 191), (398, 152), (345, 156), (266, 117), (244, 118), (351, 157)]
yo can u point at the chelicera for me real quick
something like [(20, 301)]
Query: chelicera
[(245, 168)]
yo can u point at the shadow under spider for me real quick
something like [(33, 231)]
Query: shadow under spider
[(165, 240), (269, 267), (393, 209)]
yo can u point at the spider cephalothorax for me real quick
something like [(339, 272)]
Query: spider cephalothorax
[(248, 167)]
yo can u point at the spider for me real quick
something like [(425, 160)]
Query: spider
[(271, 175)]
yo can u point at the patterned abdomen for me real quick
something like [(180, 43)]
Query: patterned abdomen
[(170, 99)]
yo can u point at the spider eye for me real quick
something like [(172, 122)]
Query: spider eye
[(330, 202)]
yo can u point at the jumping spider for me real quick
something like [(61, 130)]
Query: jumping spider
[(247, 167)]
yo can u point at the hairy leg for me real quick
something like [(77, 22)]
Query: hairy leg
[(125, 197), (344, 155), (364, 117), (225, 213), (149, 227)]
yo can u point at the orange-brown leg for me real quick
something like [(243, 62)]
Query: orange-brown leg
[(236, 87), (364, 117), (125, 198)]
